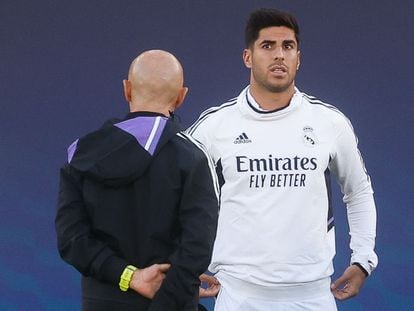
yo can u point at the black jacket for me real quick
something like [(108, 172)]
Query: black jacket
[(137, 193)]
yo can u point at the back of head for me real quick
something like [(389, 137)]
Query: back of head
[(156, 79), (263, 18)]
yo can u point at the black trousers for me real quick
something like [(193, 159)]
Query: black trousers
[(97, 296), (102, 305), (88, 305)]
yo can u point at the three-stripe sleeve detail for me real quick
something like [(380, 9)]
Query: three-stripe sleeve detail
[(313, 100), (209, 161), (208, 113)]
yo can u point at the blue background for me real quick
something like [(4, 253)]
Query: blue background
[(61, 67)]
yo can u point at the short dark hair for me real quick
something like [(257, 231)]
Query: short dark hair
[(263, 18)]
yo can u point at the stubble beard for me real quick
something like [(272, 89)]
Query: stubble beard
[(272, 87), (278, 88)]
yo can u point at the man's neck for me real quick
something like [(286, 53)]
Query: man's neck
[(271, 100), (162, 109)]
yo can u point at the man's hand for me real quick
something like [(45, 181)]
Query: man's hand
[(349, 284), (213, 286), (147, 281)]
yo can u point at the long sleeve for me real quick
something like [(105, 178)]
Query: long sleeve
[(77, 243), (198, 215), (355, 184)]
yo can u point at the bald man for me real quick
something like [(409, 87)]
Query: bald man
[(138, 200)]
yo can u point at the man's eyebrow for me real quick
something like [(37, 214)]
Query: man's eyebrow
[(267, 42), (289, 41)]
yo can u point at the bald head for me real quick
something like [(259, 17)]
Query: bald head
[(155, 82)]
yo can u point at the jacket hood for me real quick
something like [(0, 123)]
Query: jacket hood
[(120, 152)]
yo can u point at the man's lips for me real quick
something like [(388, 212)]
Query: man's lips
[(278, 69)]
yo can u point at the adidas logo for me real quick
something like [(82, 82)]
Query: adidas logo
[(242, 139)]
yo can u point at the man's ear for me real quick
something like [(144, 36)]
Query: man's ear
[(127, 90), (181, 96), (247, 58)]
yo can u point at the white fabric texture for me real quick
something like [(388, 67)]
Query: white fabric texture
[(275, 225)]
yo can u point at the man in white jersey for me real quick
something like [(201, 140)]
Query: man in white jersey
[(274, 148)]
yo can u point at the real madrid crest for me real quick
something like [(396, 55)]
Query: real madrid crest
[(309, 137)]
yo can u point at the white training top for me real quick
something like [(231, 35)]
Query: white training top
[(276, 225)]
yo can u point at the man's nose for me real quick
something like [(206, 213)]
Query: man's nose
[(279, 53)]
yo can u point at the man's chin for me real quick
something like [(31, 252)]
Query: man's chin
[(280, 88)]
